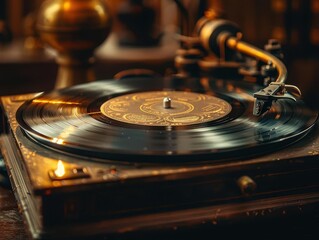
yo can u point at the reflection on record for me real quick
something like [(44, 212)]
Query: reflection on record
[(129, 120)]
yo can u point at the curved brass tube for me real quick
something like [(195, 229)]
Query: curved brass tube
[(250, 50)]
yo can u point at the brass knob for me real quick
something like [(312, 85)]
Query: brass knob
[(247, 185), (74, 28)]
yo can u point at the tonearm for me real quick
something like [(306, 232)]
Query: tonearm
[(220, 35)]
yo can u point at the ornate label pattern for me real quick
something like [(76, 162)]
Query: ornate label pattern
[(146, 108)]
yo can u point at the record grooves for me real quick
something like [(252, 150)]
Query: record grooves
[(70, 120)]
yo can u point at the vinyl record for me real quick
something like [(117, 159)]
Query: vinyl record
[(157, 120)]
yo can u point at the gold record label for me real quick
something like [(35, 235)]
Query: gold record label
[(165, 108)]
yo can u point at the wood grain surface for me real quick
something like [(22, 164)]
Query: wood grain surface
[(11, 223)]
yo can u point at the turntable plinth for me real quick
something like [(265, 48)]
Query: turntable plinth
[(184, 176)]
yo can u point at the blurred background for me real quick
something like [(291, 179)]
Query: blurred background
[(25, 66)]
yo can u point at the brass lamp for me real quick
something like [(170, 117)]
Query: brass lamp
[(74, 28)]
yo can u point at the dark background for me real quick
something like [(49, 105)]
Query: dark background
[(294, 22)]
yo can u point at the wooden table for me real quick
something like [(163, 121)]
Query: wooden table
[(11, 223)]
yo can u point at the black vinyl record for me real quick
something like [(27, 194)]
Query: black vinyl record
[(71, 120)]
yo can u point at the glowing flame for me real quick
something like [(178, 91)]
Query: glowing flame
[(60, 171)]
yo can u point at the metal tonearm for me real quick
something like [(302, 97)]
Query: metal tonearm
[(275, 90), (219, 33)]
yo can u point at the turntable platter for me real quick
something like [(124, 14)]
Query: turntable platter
[(116, 120)]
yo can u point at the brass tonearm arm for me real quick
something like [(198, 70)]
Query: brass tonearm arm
[(218, 33), (275, 90)]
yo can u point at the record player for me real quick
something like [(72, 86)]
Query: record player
[(146, 154)]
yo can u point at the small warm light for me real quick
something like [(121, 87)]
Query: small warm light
[(315, 6), (279, 5), (58, 141), (314, 36), (279, 33), (60, 171), (66, 5)]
